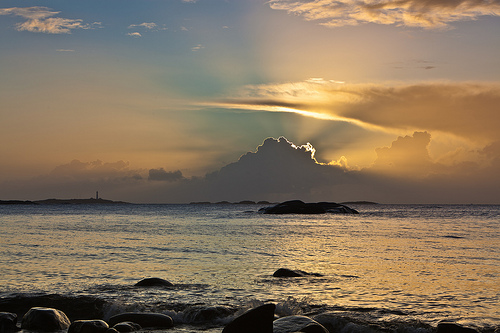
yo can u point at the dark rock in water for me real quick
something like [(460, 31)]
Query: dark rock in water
[(202, 314), (146, 320), (88, 326), (153, 282), (297, 324), (8, 322), (127, 326), (259, 319), (448, 327), (45, 319), (300, 207), (285, 272)]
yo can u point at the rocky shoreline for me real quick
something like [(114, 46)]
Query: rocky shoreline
[(262, 318)]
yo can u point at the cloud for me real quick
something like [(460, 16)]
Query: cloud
[(465, 109), (413, 13), (162, 175), (32, 13), (96, 170), (39, 19), (134, 34), (406, 156), (146, 25), (197, 48), (404, 172)]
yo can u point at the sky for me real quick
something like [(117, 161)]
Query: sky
[(174, 101)]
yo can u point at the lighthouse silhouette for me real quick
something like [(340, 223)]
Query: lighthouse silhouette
[(97, 195)]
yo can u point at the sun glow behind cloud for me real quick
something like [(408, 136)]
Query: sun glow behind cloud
[(467, 110)]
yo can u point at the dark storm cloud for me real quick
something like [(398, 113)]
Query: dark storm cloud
[(162, 175)]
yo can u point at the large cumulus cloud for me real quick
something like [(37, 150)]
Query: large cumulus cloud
[(403, 172)]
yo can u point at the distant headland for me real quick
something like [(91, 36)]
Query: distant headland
[(90, 201)]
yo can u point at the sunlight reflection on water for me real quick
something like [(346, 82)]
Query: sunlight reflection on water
[(426, 260)]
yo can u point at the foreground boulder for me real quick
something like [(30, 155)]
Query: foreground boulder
[(45, 319), (88, 326), (145, 320), (297, 324), (259, 319), (153, 282), (127, 326), (285, 272), (300, 207), (8, 322)]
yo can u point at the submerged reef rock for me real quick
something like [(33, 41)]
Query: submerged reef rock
[(153, 282), (145, 320), (259, 319), (88, 326), (297, 324), (45, 320), (8, 322), (449, 327), (300, 207), (285, 272)]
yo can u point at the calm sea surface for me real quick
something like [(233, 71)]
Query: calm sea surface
[(389, 264)]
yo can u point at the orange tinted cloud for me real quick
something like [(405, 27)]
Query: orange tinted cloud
[(39, 19), (416, 13)]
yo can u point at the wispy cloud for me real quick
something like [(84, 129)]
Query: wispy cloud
[(134, 34), (415, 13), (147, 25), (197, 48), (40, 19)]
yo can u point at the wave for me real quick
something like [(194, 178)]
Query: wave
[(202, 317)]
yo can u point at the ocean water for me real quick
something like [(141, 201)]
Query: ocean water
[(397, 267)]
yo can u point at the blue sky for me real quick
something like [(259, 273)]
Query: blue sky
[(193, 85)]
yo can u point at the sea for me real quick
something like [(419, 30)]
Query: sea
[(391, 268)]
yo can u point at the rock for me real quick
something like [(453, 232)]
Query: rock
[(285, 272), (146, 320), (88, 326), (8, 322), (127, 326), (259, 319), (449, 327), (300, 207), (297, 324), (45, 319), (153, 282), (200, 314), (111, 330)]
